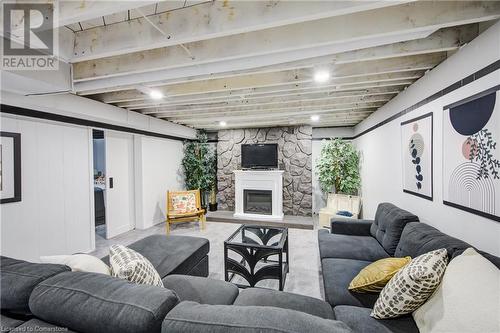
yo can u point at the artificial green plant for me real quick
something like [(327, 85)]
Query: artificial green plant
[(338, 167), (199, 164)]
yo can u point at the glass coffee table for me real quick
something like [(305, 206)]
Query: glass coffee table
[(257, 253)]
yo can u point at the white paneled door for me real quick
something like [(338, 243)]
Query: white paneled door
[(120, 183)]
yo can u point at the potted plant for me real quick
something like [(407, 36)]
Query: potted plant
[(338, 173), (199, 166)]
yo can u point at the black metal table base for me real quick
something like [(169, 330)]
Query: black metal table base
[(253, 254)]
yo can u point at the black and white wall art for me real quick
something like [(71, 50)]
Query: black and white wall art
[(471, 156), (10, 167), (417, 146)]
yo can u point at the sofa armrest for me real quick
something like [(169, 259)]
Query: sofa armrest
[(353, 227)]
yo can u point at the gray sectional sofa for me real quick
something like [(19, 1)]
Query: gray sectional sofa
[(351, 245), (45, 297)]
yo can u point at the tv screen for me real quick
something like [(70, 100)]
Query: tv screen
[(259, 156)]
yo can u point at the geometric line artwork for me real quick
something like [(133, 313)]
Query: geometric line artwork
[(466, 189), (471, 160)]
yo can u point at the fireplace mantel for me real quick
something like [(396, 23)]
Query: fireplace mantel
[(268, 180)]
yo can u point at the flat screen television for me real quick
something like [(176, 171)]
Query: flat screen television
[(259, 156)]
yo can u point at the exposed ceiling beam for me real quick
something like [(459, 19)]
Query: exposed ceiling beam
[(342, 74), (274, 117), (291, 96), (77, 11), (192, 117), (384, 80), (285, 122), (284, 104), (205, 21), (216, 50), (225, 68)]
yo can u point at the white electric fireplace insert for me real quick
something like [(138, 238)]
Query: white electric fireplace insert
[(258, 194)]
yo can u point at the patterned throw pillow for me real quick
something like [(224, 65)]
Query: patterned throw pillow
[(132, 266), (184, 203), (411, 286)]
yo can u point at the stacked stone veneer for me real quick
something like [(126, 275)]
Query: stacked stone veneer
[(294, 157)]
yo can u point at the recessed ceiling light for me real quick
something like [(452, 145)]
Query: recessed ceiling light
[(222, 123), (321, 76), (156, 94), (314, 117)]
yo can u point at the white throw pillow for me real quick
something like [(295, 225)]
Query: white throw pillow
[(132, 266), (468, 299), (411, 286), (79, 263)]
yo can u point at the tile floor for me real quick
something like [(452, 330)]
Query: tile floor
[(305, 269)]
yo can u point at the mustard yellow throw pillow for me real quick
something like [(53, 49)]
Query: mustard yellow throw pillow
[(375, 276)]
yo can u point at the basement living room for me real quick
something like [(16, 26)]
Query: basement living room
[(250, 166)]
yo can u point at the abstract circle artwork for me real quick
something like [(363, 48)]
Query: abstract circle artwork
[(471, 161)]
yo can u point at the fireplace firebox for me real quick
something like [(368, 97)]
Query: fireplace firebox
[(258, 202)]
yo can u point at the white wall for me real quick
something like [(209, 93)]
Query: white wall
[(53, 216), (158, 171), (381, 148)]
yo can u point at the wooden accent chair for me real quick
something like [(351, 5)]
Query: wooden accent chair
[(184, 206)]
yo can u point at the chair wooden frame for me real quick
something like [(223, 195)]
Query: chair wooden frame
[(198, 215)]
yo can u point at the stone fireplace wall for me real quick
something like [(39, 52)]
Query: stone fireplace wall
[(294, 157)]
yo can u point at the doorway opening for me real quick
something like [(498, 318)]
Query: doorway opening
[(99, 151)]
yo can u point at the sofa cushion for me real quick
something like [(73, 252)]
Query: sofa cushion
[(201, 290), (7, 323), (337, 274), (279, 299), (420, 238), (202, 318), (171, 254), (349, 247), (37, 325), (389, 224), (89, 302), (18, 278), (359, 320)]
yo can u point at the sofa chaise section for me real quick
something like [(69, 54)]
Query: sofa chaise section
[(174, 254)]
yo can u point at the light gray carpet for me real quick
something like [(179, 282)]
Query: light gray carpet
[(305, 273)]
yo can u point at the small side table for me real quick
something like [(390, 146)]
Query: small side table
[(255, 244)]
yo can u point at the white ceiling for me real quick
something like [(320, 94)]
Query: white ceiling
[(252, 63)]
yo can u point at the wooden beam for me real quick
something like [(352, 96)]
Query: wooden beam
[(206, 21), (237, 100), (273, 118), (284, 104), (189, 117), (342, 75), (286, 122), (203, 52), (83, 10), (383, 80)]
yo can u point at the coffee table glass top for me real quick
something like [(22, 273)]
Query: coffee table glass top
[(259, 236)]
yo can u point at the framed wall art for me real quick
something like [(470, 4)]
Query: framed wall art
[(471, 157), (417, 156), (10, 167)]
